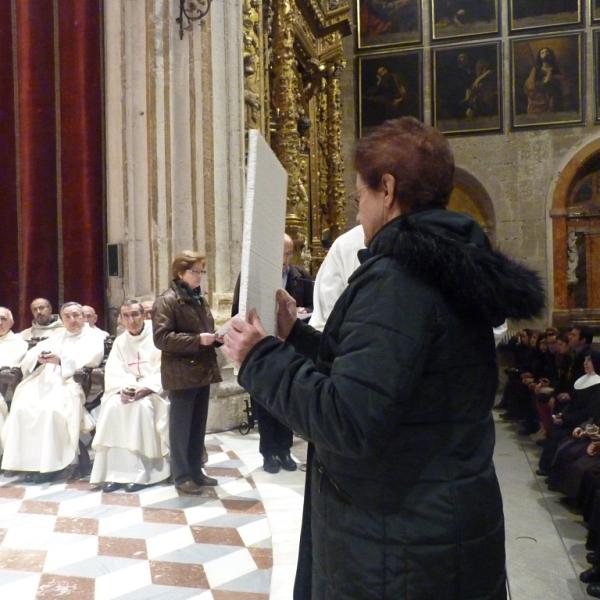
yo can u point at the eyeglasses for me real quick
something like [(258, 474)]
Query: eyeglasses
[(196, 271), (354, 197)]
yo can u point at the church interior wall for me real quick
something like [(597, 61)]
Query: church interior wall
[(518, 168), (175, 155)]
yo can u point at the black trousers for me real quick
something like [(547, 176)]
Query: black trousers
[(275, 437), (187, 428)]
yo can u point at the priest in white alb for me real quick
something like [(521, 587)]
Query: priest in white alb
[(131, 441), (41, 434), (12, 350)]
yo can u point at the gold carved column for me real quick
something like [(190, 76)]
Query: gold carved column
[(285, 138), (335, 180)]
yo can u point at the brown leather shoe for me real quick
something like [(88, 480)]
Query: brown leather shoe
[(189, 487), (203, 479)]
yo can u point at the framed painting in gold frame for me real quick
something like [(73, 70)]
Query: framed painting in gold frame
[(389, 86), (386, 23), (456, 19), (547, 80), (467, 88), (525, 15)]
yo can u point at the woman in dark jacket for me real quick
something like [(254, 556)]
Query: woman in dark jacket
[(184, 330), (396, 393)]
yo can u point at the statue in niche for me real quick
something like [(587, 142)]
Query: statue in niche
[(572, 258)]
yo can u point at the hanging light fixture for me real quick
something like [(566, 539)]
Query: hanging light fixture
[(192, 10)]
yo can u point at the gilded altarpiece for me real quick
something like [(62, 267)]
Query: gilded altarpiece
[(293, 59)]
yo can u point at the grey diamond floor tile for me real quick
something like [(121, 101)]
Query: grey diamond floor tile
[(198, 553), (232, 520), (252, 494), (9, 576), (102, 511), (183, 502), (257, 582), (62, 495), (20, 519), (145, 530), (161, 592), (227, 464), (96, 566), (55, 540), (262, 544)]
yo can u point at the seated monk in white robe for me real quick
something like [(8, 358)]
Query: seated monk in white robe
[(131, 441), (12, 350), (41, 433), (44, 323)]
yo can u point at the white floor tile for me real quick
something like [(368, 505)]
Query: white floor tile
[(255, 532), (123, 581), (229, 567), (168, 542)]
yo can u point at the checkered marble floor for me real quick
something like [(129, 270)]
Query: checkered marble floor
[(69, 540)]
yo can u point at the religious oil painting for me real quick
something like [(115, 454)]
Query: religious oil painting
[(547, 80), (390, 86), (533, 14), (467, 88), (463, 18), (384, 23)]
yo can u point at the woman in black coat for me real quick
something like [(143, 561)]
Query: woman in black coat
[(396, 393)]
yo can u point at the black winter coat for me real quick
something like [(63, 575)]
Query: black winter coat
[(396, 395)]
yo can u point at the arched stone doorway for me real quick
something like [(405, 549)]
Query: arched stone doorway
[(575, 215), (471, 197)]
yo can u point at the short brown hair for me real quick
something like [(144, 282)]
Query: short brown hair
[(185, 260), (418, 156)]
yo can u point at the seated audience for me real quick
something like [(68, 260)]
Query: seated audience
[(516, 395), (44, 322), (12, 350), (90, 317), (584, 401), (572, 456), (41, 433), (132, 434)]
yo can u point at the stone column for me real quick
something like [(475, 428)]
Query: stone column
[(175, 154)]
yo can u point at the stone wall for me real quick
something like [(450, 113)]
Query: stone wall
[(175, 156), (518, 169)]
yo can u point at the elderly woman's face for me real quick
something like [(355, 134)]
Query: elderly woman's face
[(193, 275), (371, 211)]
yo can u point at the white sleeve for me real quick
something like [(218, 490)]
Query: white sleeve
[(329, 285)]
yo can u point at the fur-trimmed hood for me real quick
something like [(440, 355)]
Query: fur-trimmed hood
[(450, 252)]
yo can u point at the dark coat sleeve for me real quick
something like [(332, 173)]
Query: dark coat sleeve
[(381, 351), (305, 339), (300, 286)]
